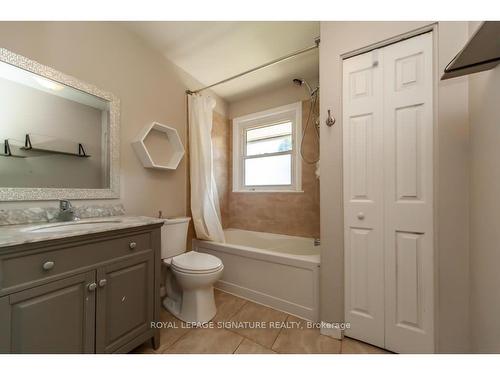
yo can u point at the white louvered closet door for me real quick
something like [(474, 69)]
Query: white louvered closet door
[(391, 247)]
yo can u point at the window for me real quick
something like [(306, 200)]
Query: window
[(265, 150)]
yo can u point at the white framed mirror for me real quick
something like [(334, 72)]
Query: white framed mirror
[(59, 136)]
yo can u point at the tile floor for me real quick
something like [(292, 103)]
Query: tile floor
[(228, 334)]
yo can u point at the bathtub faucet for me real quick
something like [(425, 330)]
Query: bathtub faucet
[(317, 242)]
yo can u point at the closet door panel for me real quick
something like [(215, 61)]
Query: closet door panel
[(363, 203), (408, 187)]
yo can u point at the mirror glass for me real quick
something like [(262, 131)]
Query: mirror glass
[(51, 135)]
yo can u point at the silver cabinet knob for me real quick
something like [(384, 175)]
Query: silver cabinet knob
[(132, 245), (91, 287), (360, 215), (102, 282), (48, 265)]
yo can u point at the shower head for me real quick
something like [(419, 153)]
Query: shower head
[(300, 82)]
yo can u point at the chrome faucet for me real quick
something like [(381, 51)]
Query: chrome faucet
[(66, 212)]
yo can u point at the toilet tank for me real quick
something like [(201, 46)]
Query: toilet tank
[(174, 236)]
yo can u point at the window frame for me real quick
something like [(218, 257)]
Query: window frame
[(287, 113)]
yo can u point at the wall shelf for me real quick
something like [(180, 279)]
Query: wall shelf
[(172, 140), (41, 146), (480, 53)]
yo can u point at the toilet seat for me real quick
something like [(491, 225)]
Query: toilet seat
[(196, 263)]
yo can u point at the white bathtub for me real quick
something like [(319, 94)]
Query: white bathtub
[(272, 269)]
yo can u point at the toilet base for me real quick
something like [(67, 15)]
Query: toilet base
[(194, 306)]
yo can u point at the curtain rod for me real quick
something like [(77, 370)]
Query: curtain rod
[(270, 63)]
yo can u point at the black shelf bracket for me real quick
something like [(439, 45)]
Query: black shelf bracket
[(81, 151), (7, 151), (27, 142)]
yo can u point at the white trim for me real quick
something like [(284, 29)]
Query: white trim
[(291, 112), (262, 298), (432, 27)]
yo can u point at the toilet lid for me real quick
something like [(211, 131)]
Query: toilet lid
[(194, 261)]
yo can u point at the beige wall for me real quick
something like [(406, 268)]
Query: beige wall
[(485, 210), (451, 180), (286, 94), (149, 87), (484, 100)]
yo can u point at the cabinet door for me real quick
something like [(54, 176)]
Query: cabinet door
[(58, 317), (125, 301)]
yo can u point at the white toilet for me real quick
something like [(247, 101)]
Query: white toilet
[(190, 275)]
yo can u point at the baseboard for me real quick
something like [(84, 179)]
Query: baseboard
[(332, 330), (267, 300)]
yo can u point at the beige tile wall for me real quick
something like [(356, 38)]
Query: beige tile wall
[(221, 142), (284, 213)]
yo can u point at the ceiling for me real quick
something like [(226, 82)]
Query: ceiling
[(213, 51)]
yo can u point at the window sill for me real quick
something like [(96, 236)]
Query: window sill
[(269, 191)]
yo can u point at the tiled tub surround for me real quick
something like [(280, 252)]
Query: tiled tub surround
[(221, 141), (277, 270), (295, 214), (11, 235), (47, 214), (290, 335)]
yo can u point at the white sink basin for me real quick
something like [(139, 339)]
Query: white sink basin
[(70, 225)]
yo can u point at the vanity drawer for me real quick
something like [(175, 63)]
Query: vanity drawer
[(28, 268)]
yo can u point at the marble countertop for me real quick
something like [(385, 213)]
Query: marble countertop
[(27, 233)]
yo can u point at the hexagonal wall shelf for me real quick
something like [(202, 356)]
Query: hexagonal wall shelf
[(149, 158)]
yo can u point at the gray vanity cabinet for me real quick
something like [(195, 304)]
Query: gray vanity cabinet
[(57, 317), (99, 293), (124, 301)]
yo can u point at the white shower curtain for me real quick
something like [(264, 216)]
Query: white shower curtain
[(204, 198)]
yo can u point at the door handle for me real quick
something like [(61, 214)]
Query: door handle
[(102, 283), (91, 287)]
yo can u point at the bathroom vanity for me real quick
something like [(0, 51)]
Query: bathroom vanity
[(70, 286), (85, 287)]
